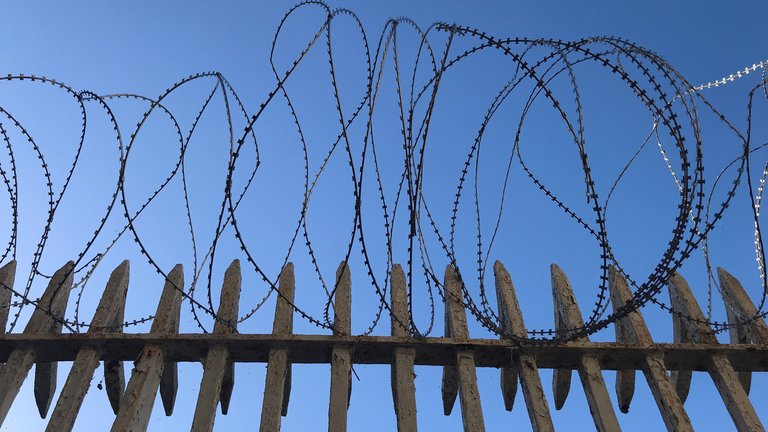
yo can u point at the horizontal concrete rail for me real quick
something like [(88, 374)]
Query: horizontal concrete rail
[(380, 350)]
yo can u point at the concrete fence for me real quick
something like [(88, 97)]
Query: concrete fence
[(155, 354)]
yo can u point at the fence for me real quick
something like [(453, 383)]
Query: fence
[(156, 354)]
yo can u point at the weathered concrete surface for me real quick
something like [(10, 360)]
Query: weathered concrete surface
[(402, 374), (7, 277), (722, 373), (277, 383), (523, 365), (681, 377), (511, 325), (625, 379), (217, 363), (146, 377), (80, 375), (456, 319), (114, 382), (341, 357), (114, 371), (210, 389), (18, 364), (431, 351), (739, 307), (600, 405), (635, 331), (77, 385)]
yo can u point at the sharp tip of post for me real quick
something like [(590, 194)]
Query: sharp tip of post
[(555, 269), (286, 272), (234, 265), (397, 271), (721, 272), (66, 269), (624, 409), (343, 267), (176, 272), (123, 266), (499, 271)]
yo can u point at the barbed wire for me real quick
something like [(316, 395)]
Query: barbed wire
[(538, 69)]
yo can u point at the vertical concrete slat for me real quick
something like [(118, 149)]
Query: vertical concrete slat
[(402, 375), (724, 377), (341, 356), (681, 378), (284, 326), (15, 370), (114, 382), (46, 372), (625, 379), (169, 379), (114, 370), (561, 378), (600, 405), (739, 333), (740, 301), (87, 360), (636, 332), (738, 307), (139, 398), (511, 325), (277, 382), (7, 277), (217, 363), (469, 395), (449, 387), (524, 363)]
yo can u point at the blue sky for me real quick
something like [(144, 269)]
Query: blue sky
[(144, 47)]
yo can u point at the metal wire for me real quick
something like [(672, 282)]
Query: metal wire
[(538, 69)]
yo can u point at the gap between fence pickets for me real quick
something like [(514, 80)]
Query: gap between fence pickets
[(155, 366)]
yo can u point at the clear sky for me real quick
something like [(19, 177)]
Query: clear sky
[(144, 47)]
